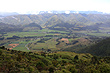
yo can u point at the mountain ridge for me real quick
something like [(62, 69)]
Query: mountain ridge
[(42, 19)]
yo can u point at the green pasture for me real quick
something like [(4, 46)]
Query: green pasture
[(99, 34), (70, 40), (48, 30), (49, 44), (105, 30), (21, 47), (42, 32), (24, 34)]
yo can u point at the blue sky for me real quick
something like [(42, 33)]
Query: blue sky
[(32, 6)]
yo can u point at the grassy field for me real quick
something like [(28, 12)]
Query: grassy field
[(49, 44), (99, 34), (24, 34), (46, 34), (42, 32), (70, 40), (21, 47), (47, 30)]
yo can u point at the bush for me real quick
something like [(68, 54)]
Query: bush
[(51, 69), (40, 65), (76, 57), (0, 52), (71, 68), (65, 71)]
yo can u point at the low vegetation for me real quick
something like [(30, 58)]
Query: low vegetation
[(12, 61)]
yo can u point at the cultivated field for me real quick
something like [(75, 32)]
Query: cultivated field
[(45, 39)]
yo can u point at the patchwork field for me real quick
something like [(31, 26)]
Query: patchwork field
[(45, 39), (49, 44)]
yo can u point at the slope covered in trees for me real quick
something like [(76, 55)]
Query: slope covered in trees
[(4, 27), (9, 27), (101, 48), (32, 27), (12, 61)]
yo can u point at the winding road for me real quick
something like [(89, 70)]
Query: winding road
[(30, 42), (26, 46)]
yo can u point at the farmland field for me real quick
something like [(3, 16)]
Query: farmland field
[(99, 34), (38, 33), (45, 39), (21, 47), (49, 44)]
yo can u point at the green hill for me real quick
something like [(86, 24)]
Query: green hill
[(12, 61), (101, 48), (61, 26), (4, 27), (32, 27)]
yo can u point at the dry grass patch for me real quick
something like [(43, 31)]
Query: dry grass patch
[(13, 46), (65, 40)]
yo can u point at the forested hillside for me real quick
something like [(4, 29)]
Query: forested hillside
[(101, 48), (4, 27), (12, 61)]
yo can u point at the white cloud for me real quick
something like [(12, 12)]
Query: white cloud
[(24, 6)]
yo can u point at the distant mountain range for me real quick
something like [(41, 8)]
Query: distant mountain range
[(70, 11), (48, 20), (4, 14), (60, 22)]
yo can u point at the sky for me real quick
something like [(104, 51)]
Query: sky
[(32, 6)]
